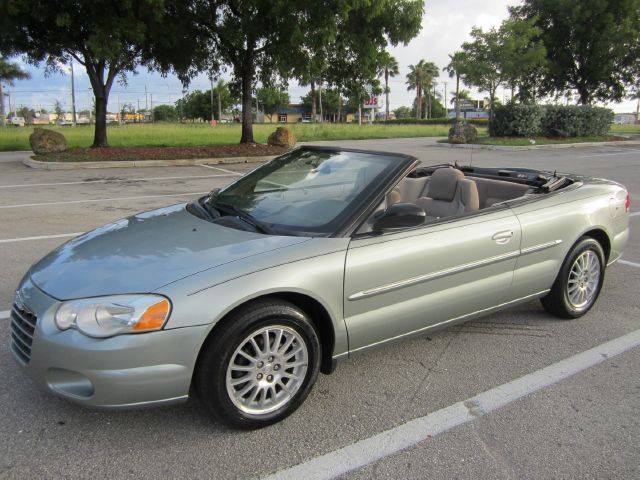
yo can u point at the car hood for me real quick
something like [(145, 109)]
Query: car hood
[(145, 252)]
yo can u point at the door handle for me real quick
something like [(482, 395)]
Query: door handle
[(502, 238)]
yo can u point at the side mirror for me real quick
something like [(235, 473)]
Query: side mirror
[(400, 215)]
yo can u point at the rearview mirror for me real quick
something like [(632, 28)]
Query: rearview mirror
[(400, 215)]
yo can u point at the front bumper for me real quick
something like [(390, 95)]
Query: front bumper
[(119, 372)]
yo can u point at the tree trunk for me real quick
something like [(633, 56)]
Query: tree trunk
[(419, 105), (100, 134), (339, 107), (386, 91), (248, 70), (219, 106), (101, 89), (313, 101), (429, 103), (320, 102), (2, 115), (584, 94)]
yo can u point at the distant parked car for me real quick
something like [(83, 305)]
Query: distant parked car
[(64, 123), (16, 121)]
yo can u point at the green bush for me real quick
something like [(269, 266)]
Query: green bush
[(550, 121), (431, 121), (516, 121), (576, 121)]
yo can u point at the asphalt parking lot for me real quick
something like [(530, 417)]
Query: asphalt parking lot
[(584, 424)]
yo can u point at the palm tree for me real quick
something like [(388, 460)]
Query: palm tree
[(455, 69), (8, 73), (389, 67), (431, 73), (421, 77)]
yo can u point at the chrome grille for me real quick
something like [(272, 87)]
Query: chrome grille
[(23, 324)]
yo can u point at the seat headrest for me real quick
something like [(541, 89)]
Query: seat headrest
[(443, 183)]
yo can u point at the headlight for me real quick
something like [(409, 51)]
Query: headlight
[(109, 316)]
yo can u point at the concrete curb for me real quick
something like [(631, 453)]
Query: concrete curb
[(38, 165), (535, 147)]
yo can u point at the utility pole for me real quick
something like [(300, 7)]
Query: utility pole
[(151, 101), (3, 121), (446, 105), (73, 97), (146, 105)]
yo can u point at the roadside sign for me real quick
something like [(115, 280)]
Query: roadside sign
[(371, 102)]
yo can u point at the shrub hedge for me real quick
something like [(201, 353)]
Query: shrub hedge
[(516, 121), (550, 121), (431, 121)]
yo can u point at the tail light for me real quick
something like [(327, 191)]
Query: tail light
[(627, 203)]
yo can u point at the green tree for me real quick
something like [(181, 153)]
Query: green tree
[(109, 40), (484, 66), (402, 112), (592, 46), (27, 113), (196, 105), (420, 78), (268, 39), (389, 68), (272, 99), (523, 57), (438, 109), (509, 54), (9, 72), (59, 110), (165, 113)]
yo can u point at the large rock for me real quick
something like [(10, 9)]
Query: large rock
[(282, 137), (47, 141), (463, 133)]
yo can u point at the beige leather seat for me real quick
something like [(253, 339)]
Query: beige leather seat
[(449, 193)]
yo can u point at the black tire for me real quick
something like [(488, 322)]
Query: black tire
[(559, 300), (214, 365)]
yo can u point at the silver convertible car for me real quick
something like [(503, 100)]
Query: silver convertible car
[(241, 297)]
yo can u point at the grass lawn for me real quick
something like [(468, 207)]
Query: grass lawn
[(625, 128), (176, 135)]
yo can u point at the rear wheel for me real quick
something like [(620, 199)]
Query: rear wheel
[(260, 366), (579, 282)]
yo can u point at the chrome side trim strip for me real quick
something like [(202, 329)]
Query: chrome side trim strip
[(542, 246), (432, 276), (538, 294)]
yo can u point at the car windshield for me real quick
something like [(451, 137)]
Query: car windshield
[(306, 191)]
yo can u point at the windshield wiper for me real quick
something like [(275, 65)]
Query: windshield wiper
[(245, 216)]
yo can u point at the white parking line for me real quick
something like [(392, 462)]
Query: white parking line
[(222, 170), (41, 237), (407, 435), (101, 200), (634, 214), (107, 180), (4, 314), (631, 264)]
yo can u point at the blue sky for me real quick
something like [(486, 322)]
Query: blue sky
[(445, 26)]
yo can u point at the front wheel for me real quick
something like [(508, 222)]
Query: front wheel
[(260, 366), (579, 282)]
